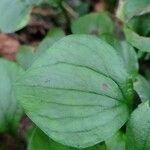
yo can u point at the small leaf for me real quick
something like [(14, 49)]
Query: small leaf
[(78, 92), (140, 42), (142, 87), (130, 8), (94, 23), (40, 141), (138, 130), (141, 24), (25, 56), (136, 15), (116, 142), (14, 15), (10, 112)]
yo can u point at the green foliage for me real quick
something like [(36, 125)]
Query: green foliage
[(136, 16), (25, 56), (138, 135), (126, 52), (40, 141), (142, 87), (10, 112), (16, 16), (55, 3), (140, 42), (53, 36), (61, 84), (94, 23), (116, 142), (130, 8)]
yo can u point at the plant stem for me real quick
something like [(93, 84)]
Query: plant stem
[(68, 21)]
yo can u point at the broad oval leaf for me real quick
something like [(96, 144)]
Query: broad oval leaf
[(94, 23), (40, 140), (138, 130), (10, 112), (78, 92)]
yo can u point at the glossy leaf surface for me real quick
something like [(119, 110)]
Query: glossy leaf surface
[(78, 92)]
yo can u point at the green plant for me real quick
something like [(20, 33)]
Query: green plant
[(82, 91)]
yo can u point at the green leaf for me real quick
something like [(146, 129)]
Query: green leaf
[(40, 141), (130, 8), (15, 14), (116, 142), (53, 36), (33, 2), (136, 15), (78, 92), (129, 57), (141, 24), (25, 56), (10, 112), (55, 3), (126, 52), (94, 23), (138, 130), (142, 87), (140, 42)]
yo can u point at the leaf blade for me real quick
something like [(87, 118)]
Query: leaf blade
[(138, 128), (71, 73)]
